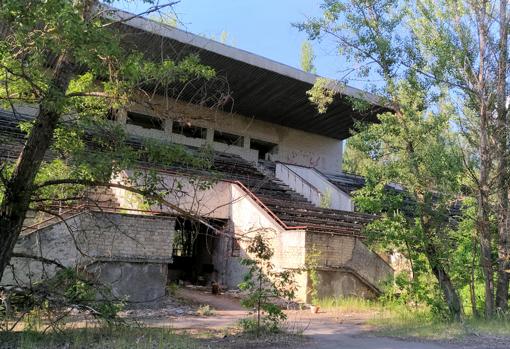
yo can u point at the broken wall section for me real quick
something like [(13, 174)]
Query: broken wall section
[(119, 250)]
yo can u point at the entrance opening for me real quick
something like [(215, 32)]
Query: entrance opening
[(192, 254), (264, 148)]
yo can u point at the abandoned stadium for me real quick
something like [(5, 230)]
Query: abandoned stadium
[(276, 168)]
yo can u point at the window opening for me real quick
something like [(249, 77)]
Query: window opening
[(187, 130), (228, 138), (264, 148), (145, 121)]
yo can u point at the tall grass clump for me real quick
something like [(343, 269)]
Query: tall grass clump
[(117, 337)]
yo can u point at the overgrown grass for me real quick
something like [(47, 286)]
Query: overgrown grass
[(353, 305), (393, 319), (94, 338), (422, 324)]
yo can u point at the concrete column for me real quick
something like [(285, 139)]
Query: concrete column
[(167, 126), (121, 116), (210, 136)]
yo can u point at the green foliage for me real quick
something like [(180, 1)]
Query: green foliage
[(48, 303), (172, 288), (100, 337), (355, 161), (312, 263), (423, 324), (414, 146), (321, 94), (205, 310), (82, 292), (307, 57), (355, 305), (326, 199), (86, 145), (264, 285)]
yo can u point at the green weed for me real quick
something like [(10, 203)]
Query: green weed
[(122, 337)]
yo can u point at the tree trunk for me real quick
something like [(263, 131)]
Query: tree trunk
[(472, 281), (483, 213), (502, 138), (19, 187), (483, 221), (449, 291), (445, 283)]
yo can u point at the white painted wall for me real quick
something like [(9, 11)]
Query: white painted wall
[(315, 180), (213, 202), (288, 245), (229, 201)]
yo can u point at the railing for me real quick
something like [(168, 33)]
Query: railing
[(265, 208), (298, 183), (75, 210), (311, 180)]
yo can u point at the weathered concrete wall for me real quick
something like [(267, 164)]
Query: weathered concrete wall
[(53, 242), (342, 284), (212, 202), (227, 200), (369, 264), (137, 282), (344, 258), (230, 271), (124, 237), (248, 219), (136, 244), (294, 146)]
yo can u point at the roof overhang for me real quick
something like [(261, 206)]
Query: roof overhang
[(260, 87)]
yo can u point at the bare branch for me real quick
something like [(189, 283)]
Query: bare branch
[(38, 258), (147, 194), (121, 14)]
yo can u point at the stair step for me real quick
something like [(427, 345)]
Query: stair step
[(307, 214)]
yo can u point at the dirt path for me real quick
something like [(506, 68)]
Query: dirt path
[(226, 312), (329, 330), (350, 332), (322, 331)]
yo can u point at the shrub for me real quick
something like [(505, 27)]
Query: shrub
[(264, 285)]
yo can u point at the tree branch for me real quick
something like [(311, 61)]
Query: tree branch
[(147, 194), (121, 14), (37, 258)]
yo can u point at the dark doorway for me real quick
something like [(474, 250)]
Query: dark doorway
[(192, 253), (263, 147)]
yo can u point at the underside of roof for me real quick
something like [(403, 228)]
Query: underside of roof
[(259, 87)]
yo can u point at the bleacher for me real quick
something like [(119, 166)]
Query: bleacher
[(289, 206)]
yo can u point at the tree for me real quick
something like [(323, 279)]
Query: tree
[(67, 58), (410, 143), (264, 285), (479, 75), (454, 50), (355, 161), (307, 57)]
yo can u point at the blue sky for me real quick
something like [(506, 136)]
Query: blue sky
[(259, 26)]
